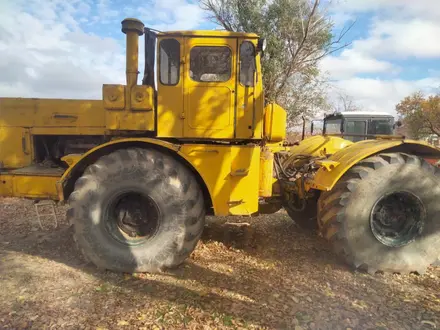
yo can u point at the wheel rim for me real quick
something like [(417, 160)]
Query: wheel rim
[(132, 218), (397, 218)]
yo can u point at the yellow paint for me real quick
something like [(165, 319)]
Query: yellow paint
[(328, 165), (51, 114), (209, 106), (142, 99), (6, 185), (220, 110), (243, 195), (136, 115), (208, 33), (351, 155), (67, 131), (170, 100), (275, 119), (28, 186), (266, 173), (113, 97), (231, 176), (249, 101), (130, 107), (320, 146), (16, 147), (130, 120)]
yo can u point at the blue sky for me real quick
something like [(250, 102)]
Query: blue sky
[(58, 48)]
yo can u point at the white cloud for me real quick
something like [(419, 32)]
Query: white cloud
[(383, 95), (46, 50), (398, 29), (428, 9), (351, 62), (171, 15), (402, 39), (47, 55)]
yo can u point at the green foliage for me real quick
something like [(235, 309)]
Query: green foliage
[(298, 34)]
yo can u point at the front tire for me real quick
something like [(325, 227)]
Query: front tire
[(384, 214), (137, 210)]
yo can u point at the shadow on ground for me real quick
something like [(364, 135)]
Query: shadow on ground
[(276, 277)]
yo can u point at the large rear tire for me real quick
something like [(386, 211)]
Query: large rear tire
[(384, 214), (137, 210)]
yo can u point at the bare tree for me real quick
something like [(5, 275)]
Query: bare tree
[(345, 103), (299, 34)]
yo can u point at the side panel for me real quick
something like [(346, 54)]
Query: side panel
[(231, 175), (28, 186), (51, 113), (275, 123), (349, 156), (136, 114), (15, 147), (245, 175)]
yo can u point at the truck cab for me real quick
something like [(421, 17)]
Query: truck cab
[(358, 126)]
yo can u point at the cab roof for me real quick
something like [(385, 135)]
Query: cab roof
[(361, 114), (208, 33)]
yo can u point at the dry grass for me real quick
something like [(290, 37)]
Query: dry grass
[(279, 278)]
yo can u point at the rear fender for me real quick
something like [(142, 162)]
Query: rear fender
[(326, 178)]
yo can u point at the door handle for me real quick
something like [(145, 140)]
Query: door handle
[(61, 116)]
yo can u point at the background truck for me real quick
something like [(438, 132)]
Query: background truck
[(142, 167), (357, 125)]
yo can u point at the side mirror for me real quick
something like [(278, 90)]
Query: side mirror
[(399, 123), (312, 127), (261, 45)]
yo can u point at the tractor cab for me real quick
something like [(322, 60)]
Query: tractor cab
[(358, 126)]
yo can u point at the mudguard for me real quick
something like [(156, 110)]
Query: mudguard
[(326, 177), (77, 163)]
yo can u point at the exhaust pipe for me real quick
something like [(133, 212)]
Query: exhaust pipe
[(133, 28)]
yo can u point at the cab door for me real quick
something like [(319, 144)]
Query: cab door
[(209, 87)]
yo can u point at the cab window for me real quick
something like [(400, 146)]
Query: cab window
[(355, 127), (169, 62), (247, 64), (380, 127), (333, 126), (210, 63)]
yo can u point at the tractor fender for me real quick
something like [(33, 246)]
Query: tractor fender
[(326, 177), (78, 163)]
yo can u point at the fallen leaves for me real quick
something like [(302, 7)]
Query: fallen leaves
[(288, 280), (123, 323)]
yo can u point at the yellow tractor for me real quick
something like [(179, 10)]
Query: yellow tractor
[(142, 167)]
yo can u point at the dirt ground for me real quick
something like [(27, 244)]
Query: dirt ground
[(278, 278)]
